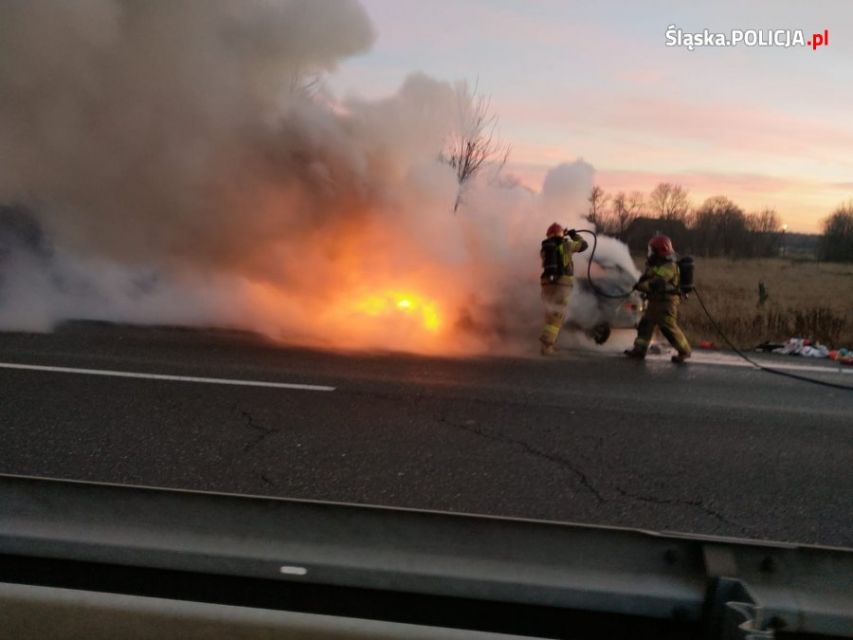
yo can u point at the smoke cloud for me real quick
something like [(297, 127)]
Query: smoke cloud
[(183, 162)]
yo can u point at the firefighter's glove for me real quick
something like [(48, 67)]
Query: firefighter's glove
[(573, 234)]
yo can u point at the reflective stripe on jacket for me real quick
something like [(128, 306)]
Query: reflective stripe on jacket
[(650, 281)]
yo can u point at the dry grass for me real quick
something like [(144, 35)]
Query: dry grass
[(807, 299)]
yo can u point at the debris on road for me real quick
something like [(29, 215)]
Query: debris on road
[(805, 348), (844, 356)]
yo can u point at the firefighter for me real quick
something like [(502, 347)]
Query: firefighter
[(556, 280), (660, 284)]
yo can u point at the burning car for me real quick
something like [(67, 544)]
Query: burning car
[(605, 301)]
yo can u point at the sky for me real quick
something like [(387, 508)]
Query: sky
[(765, 126)]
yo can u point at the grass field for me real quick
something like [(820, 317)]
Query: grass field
[(807, 300)]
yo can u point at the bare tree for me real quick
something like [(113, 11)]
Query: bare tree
[(474, 143), (837, 241), (764, 237), (598, 200), (636, 203), (669, 201), (764, 221), (626, 208), (719, 227)]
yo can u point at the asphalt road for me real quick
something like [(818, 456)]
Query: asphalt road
[(707, 448)]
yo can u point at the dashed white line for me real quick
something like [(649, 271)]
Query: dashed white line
[(167, 377)]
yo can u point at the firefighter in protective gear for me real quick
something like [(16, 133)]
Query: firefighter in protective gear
[(660, 284), (556, 280)]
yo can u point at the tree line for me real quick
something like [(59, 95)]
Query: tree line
[(836, 244), (717, 227)]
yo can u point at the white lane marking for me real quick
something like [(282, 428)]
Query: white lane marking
[(163, 376)]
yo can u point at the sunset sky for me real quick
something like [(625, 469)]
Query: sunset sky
[(764, 126)]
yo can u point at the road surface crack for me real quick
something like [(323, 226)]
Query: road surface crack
[(584, 480), (261, 432), (559, 460), (697, 503)]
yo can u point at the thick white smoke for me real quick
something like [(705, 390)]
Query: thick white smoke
[(183, 162)]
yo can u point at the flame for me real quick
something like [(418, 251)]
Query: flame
[(389, 303), (360, 297), (387, 317)]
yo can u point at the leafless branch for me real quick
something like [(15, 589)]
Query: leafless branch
[(474, 143)]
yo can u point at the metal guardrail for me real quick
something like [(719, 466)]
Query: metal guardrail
[(413, 566), (47, 613)]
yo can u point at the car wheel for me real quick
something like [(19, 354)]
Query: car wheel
[(601, 333)]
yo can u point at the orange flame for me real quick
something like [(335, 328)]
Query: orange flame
[(371, 288), (388, 303), (389, 317)]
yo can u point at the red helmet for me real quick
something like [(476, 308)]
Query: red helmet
[(554, 230), (661, 246)]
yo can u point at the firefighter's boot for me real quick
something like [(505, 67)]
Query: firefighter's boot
[(547, 349)]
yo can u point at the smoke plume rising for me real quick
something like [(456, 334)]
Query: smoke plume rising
[(183, 162)]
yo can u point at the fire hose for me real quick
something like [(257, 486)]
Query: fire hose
[(712, 320), (762, 367), (592, 284)]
